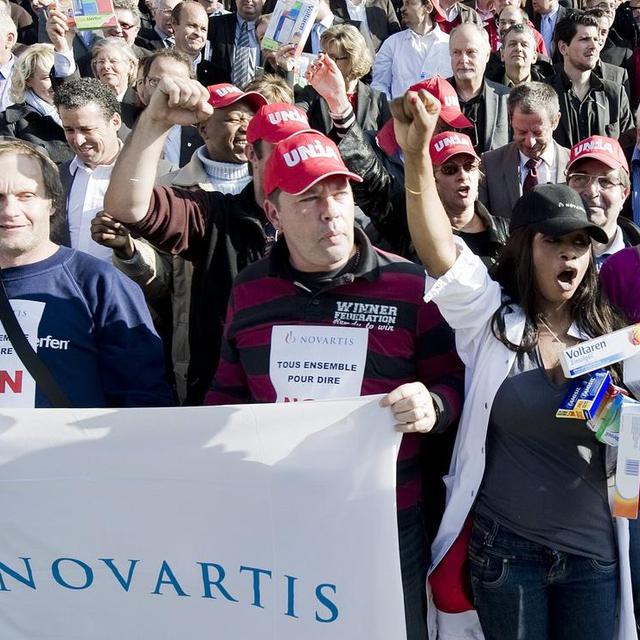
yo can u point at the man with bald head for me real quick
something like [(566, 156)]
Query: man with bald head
[(482, 101)]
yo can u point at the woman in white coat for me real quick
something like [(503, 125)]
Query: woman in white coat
[(544, 556)]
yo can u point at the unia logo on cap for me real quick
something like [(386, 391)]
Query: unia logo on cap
[(306, 151), (451, 140), (225, 91), (451, 101), (278, 117), (594, 145)]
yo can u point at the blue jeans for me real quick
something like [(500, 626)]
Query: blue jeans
[(527, 591)]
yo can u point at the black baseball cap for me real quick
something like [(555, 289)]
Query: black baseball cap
[(555, 210)]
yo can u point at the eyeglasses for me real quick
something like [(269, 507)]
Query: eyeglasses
[(452, 168), (337, 58), (127, 27), (582, 180)]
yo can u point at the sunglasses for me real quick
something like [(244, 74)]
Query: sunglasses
[(452, 168)]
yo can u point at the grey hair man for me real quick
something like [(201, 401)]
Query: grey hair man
[(533, 157)]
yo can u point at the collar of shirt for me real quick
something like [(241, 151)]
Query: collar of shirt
[(196, 62), (250, 25), (548, 157), (594, 81), (162, 34), (616, 244), (436, 34), (508, 82), (551, 15), (7, 67)]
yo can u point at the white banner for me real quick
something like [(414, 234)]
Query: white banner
[(234, 523)]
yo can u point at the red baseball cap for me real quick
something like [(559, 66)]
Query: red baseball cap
[(606, 150), (448, 144), (450, 112), (224, 94), (277, 121), (299, 161)]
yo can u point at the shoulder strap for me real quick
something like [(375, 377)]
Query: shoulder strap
[(25, 352)]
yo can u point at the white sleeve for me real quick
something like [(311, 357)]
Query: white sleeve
[(63, 63), (382, 75)]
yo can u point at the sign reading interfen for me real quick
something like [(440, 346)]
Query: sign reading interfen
[(263, 521)]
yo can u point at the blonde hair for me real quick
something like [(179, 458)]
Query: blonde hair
[(354, 45), (272, 87), (123, 48), (36, 57)]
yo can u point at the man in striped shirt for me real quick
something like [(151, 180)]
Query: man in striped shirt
[(324, 284)]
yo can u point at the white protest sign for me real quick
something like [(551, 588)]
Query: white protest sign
[(316, 362), (17, 386), (263, 521)]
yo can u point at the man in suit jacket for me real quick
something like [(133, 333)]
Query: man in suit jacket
[(379, 17), (532, 158), (589, 105), (224, 35), (182, 141), (547, 14), (482, 101), (190, 23), (161, 36)]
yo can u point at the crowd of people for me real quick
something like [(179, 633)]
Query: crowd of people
[(176, 202)]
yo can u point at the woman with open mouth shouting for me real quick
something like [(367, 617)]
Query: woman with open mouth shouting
[(544, 553)]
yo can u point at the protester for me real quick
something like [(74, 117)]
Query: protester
[(543, 553), (532, 158), (599, 172), (94, 333), (220, 234), (320, 262), (588, 105), (457, 174), (90, 116), (190, 23), (234, 46), (161, 35), (420, 51), (482, 101), (33, 117), (219, 165), (348, 49)]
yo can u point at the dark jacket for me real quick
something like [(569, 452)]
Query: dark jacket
[(372, 110), (24, 122), (613, 113), (221, 234)]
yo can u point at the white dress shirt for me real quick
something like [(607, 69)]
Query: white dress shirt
[(86, 198), (407, 57), (318, 29)]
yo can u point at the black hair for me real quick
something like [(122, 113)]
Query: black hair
[(79, 93)]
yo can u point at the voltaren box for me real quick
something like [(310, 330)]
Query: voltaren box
[(625, 500), (600, 352), (290, 23)]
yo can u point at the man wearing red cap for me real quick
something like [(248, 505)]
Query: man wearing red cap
[(457, 174), (324, 275), (220, 234), (219, 165), (599, 172)]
